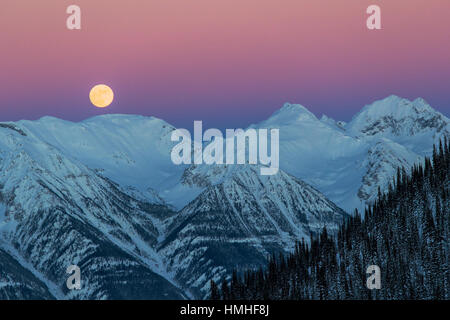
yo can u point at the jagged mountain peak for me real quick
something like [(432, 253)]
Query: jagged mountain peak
[(397, 117), (244, 184), (54, 211), (242, 219), (290, 113), (396, 106), (101, 181), (121, 147)]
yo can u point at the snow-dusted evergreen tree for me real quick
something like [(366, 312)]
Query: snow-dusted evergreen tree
[(405, 232)]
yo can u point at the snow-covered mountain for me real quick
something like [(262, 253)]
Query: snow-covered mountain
[(104, 194), (340, 125), (240, 221), (59, 208), (399, 119), (56, 212), (348, 162), (335, 157), (131, 150), (17, 282)]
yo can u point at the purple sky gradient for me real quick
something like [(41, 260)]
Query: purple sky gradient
[(228, 63)]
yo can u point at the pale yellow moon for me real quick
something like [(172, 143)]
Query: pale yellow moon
[(101, 96)]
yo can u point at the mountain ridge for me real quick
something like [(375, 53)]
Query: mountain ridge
[(106, 188)]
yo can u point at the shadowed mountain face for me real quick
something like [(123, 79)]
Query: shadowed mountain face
[(334, 157), (17, 282), (58, 212), (103, 194), (349, 161), (239, 222)]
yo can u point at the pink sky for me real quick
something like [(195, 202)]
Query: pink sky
[(233, 61)]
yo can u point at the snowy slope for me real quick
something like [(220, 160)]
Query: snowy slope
[(238, 222), (321, 155), (133, 151), (17, 282), (56, 212), (339, 125), (99, 193), (348, 162), (413, 124)]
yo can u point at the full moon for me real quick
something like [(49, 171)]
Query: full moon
[(101, 96)]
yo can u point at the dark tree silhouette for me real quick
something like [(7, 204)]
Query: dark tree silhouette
[(405, 232)]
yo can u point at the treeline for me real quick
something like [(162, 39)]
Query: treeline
[(405, 232)]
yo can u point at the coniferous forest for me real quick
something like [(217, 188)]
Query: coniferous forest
[(405, 233)]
